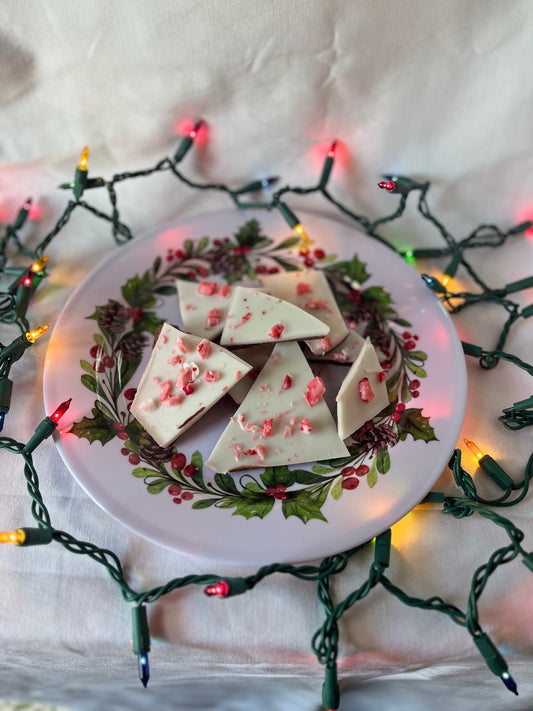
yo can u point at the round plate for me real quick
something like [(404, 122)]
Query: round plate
[(264, 515)]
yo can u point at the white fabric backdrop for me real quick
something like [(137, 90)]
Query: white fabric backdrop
[(438, 91)]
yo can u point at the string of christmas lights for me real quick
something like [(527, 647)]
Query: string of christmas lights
[(16, 299)]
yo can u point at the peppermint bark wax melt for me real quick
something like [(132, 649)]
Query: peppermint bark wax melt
[(186, 375)]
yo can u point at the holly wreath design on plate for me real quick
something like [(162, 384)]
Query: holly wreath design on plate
[(125, 328)]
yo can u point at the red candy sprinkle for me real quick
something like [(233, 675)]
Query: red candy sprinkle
[(287, 382), (204, 348), (164, 389), (266, 428), (207, 288), (382, 376), (325, 344), (211, 376), (365, 390), (188, 389), (315, 390), (305, 426), (276, 330), (303, 288), (213, 318)]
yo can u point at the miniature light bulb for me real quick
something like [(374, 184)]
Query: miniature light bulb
[(32, 336), (40, 264), (84, 159)]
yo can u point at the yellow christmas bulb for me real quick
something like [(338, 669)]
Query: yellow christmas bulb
[(84, 159), (300, 231), (16, 537), (446, 280), (472, 446), (40, 264), (32, 336)]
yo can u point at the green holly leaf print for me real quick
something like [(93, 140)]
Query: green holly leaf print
[(415, 424), (94, 429)]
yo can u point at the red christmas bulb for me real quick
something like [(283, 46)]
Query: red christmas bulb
[(332, 149), (194, 130), (220, 589), (388, 185), (60, 411)]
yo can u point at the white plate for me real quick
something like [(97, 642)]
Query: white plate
[(215, 532)]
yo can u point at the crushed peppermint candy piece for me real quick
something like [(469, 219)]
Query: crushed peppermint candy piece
[(207, 288), (243, 319), (181, 345), (224, 291), (305, 426), (303, 288), (287, 382), (287, 432), (316, 305), (382, 376), (266, 428), (173, 400), (204, 348), (188, 388), (175, 360), (276, 330), (325, 344), (164, 390), (365, 390), (213, 318), (261, 451), (315, 390), (210, 376)]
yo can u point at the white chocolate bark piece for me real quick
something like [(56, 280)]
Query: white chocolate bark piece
[(186, 375), (309, 289), (256, 317), (283, 420), (203, 306), (256, 356), (363, 392), (345, 352)]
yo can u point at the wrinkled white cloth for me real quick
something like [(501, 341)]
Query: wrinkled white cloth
[(437, 91)]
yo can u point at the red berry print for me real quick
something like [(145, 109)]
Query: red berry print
[(415, 393), (319, 254), (134, 459), (273, 270), (118, 426), (108, 361), (309, 261), (98, 366), (125, 452), (395, 416), (409, 345), (189, 470), (123, 435), (400, 407), (96, 352), (414, 385), (406, 335), (179, 253), (130, 393), (187, 495), (350, 483), (178, 461), (174, 489), (362, 470), (348, 471)]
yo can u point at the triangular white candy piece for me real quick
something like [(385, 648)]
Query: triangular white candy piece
[(309, 289), (283, 420), (256, 356), (256, 317), (363, 392), (346, 352), (203, 306), (185, 376)]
